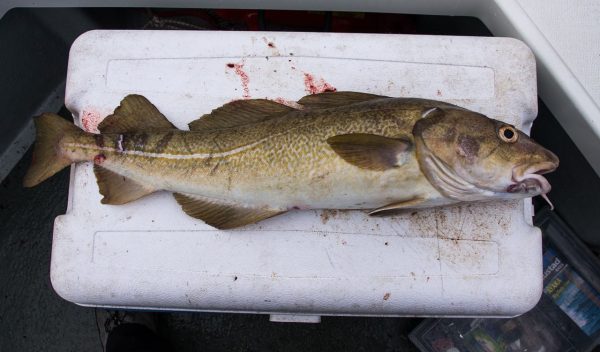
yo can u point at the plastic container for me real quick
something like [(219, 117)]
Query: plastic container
[(148, 254), (566, 319)]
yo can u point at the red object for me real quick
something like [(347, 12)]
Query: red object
[(99, 159), (313, 21)]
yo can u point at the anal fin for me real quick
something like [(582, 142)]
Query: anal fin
[(118, 189), (220, 214)]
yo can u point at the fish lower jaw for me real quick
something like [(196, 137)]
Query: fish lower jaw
[(530, 180), (533, 184)]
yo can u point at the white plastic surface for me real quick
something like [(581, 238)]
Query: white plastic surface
[(571, 26), (456, 261)]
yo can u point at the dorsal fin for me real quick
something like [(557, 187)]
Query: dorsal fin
[(118, 189), (240, 112), (220, 214), (333, 99), (135, 113)]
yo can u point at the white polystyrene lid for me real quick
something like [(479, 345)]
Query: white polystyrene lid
[(149, 254)]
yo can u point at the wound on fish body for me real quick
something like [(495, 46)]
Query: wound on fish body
[(253, 159)]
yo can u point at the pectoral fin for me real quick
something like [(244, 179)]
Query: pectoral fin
[(369, 151), (222, 215), (405, 204), (118, 189)]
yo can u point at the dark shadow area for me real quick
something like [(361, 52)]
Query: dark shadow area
[(575, 185)]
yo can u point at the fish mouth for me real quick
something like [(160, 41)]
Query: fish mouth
[(530, 180)]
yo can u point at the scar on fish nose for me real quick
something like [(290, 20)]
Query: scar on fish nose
[(468, 147), (99, 159)]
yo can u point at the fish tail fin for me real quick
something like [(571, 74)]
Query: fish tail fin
[(48, 157)]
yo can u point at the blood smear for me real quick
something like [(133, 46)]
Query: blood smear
[(90, 120), (289, 103), (315, 86), (239, 70)]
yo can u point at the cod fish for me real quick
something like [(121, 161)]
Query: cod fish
[(253, 159)]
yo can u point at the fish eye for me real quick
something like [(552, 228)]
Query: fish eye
[(508, 134)]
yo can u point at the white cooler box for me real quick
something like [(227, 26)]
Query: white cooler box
[(469, 260)]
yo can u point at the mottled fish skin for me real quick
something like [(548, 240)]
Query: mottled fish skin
[(251, 160), (284, 163)]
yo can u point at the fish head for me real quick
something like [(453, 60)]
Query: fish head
[(468, 156)]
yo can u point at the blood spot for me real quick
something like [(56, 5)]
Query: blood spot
[(99, 159), (315, 86), (231, 65), (271, 45)]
